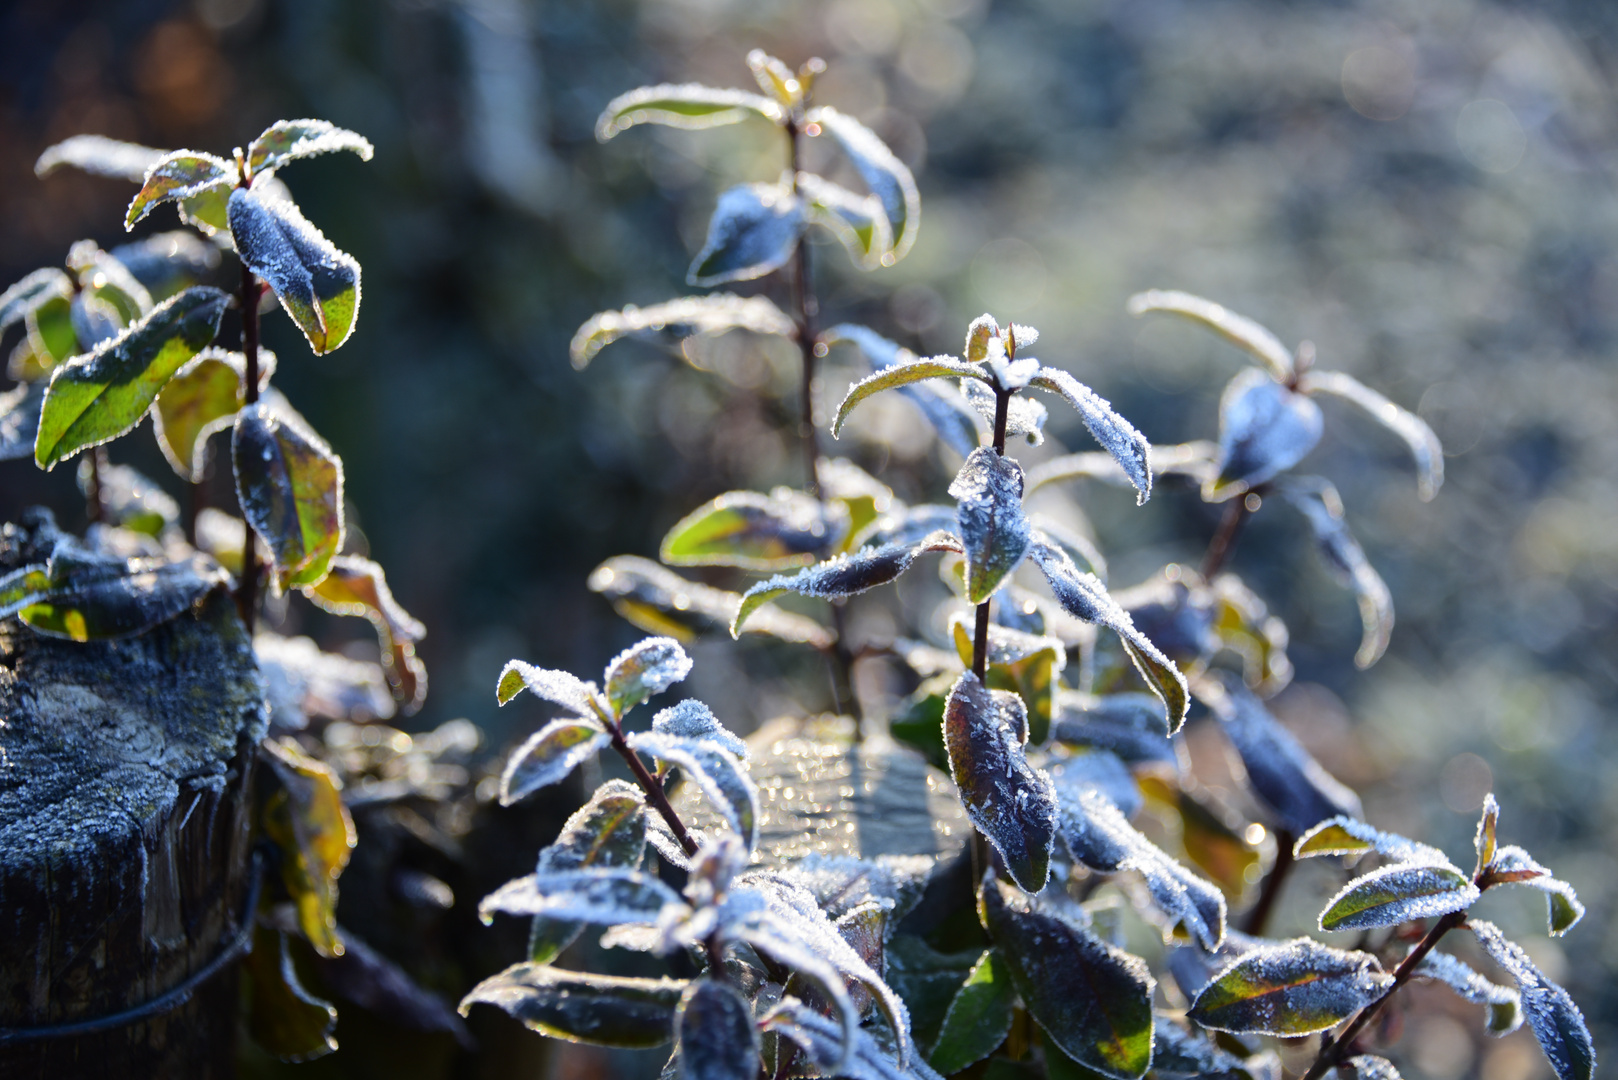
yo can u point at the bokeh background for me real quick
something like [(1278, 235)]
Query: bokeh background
[(1423, 188)]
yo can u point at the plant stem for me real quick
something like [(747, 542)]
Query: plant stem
[(1260, 913), (980, 639), (805, 308), (1331, 1052), (652, 787), (1224, 540), (94, 507), (252, 289)]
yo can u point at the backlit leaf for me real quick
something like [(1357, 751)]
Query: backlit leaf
[(1397, 894), (694, 721), (1025, 417), (1212, 836), (858, 221), (609, 830), (604, 1010), (775, 78), (902, 373), (1555, 1020), (318, 285), (1347, 836), (1129, 725), (756, 531), (954, 420), (721, 777), (1116, 435), (661, 602), (1283, 774), (754, 230), (289, 140), (717, 1038), (600, 895), (128, 499), (290, 487), (19, 420), (1485, 841), (711, 315), (1513, 865), (94, 320), (1293, 988), (1012, 803), (357, 586), (1094, 1001), (100, 395), (167, 262), (86, 597), (690, 106), (993, 530), (178, 175), (1028, 664), (556, 687), (1239, 330), (1243, 625), (1321, 505), (1193, 459), (1504, 1004), (99, 156), (549, 755), (1264, 430), (979, 1016), (644, 670), (104, 278), (1423, 444), (283, 1018), (884, 174), (308, 821), (200, 400), (52, 336), (26, 295)]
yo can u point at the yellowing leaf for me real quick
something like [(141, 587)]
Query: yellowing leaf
[(290, 486), (357, 586), (308, 821)]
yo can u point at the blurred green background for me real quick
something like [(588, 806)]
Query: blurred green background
[(1423, 188)]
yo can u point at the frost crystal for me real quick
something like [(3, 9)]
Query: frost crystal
[(1115, 434), (754, 230), (997, 535), (691, 719)]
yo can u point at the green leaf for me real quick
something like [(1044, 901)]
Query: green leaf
[(209, 211), (644, 670), (1344, 835), (1513, 865), (201, 399), (105, 278), (884, 174), (1485, 841), (996, 535), (51, 333), (756, 532), (308, 821), (717, 1038), (1028, 664), (86, 597), (609, 830), (556, 687), (1397, 894), (1092, 1000), (979, 1016), (181, 174), (1556, 1021), (357, 586), (900, 374), (290, 487), (289, 140), (775, 78), (713, 314), (690, 106), (661, 602), (549, 755), (318, 285), (1423, 444), (857, 221), (1211, 836), (955, 421), (1239, 330), (283, 1018), (1505, 1013), (604, 1010), (1293, 988), (754, 230), (28, 294), (101, 395), (1323, 507)]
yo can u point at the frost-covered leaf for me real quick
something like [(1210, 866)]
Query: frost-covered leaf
[(1179, 1050), (1485, 841), (357, 586), (1239, 330), (1084, 597), (1323, 507), (858, 221), (722, 778), (1264, 430), (304, 683), (1094, 1001), (712, 315), (609, 830), (101, 395), (819, 1039), (1009, 801), (289, 140), (1025, 417), (318, 285), (901, 374), (1283, 774), (19, 420), (1397, 894), (993, 529), (1028, 664), (283, 1017), (604, 1010), (857, 493), (167, 262), (1347, 836), (290, 486), (200, 400), (128, 499), (717, 1038), (86, 597), (1293, 988), (1513, 865), (309, 823), (979, 1016), (690, 106), (1424, 445), (178, 175), (1211, 834), (661, 602), (785, 528), (556, 687), (1555, 1020), (754, 230), (1368, 1067), (1193, 459), (549, 755), (1116, 435), (602, 896), (1504, 1004), (1129, 725), (775, 78), (954, 420), (1242, 623), (27, 295), (844, 575), (770, 942), (694, 721), (99, 156), (94, 320), (644, 670), (103, 278), (884, 174)]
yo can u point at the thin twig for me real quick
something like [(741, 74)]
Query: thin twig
[(652, 787), (1224, 540), (1260, 913), (980, 637), (252, 289)]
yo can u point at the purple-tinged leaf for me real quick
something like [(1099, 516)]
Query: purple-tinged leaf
[(858, 221), (1291, 783), (844, 575), (694, 721), (902, 373), (1264, 430), (99, 156), (1504, 1004), (644, 670), (318, 285), (686, 317), (1094, 1001), (556, 687), (603, 1010), (1424, 445), (1293, 988), (181, 174), (1555, 1020), (1345, 835), (1129, 725), (289, 140), (717, 1039), (884, 174), (661, 602), (748, 529), (549, 755), (1319, 502), (721, 777), (979, 1016), (1193, 459), (289, 485), (1398, 894), (754, 230), (1514, 866), (1029, 664), (1009, 801), (690, 106), (600, 895), (1116, 435), (1239, 330), (996, 534)]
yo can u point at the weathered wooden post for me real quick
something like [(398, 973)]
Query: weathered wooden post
[(125, 864)]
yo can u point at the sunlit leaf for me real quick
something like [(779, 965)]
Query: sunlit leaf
[(710, 315), (955, 421), (1178, 1050), (1485, 841), (1504, 1004), (602, 896), (661, 602), (549, 755), (609, 830), (28, 294), (1028, 664), (19, 420), (283, 1018), (302, 683), (318, 285), (178, 175), (1264, 430), (1210, 834), (1116, 435), (858, 221), (775, 78), (1025, 417), (1293, 988), (201, 399), (692, 720), (104, 278), (52, 336), (979, 1016), (717, 1038), (722, 778), (86, 597), (1012, 803), (1397, 894), (99, 156), (644, 670), (1512, 865), (289, 140), (755, 531), (209, 211), (357, 586), (128, 499), (1243, 624), (1555, 1020), (993, 530), (902, 374), (604, 1010), (857, 492), (884, 174), (308, 821), (1194, 460), (1345, 835), (290, 486), (1423, 444), (690, 106), (1094, 1001), (754, 230), (1129, 725), (556, 687), (1239, 330), (101, 395), (1321, 505)]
